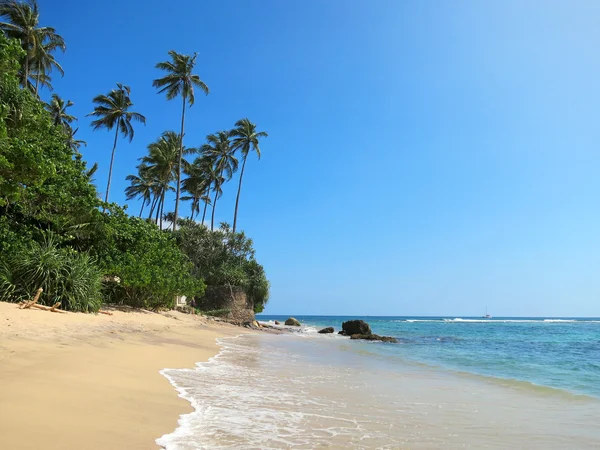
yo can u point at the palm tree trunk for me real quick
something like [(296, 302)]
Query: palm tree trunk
[(194, 207), (179, 165), (212, 219), (237, 199), (142, 209), (158, 209), (153, 206), (26, 70), (37, 80), (204, 213), (206, 194), (162, 208), (112, 159)]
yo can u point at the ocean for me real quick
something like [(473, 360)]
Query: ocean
[(449, 383)]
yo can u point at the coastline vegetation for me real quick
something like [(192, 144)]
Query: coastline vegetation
[(58, 234)]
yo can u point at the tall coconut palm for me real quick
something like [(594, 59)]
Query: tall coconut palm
[(146, 173), (43, 63), (218, 150), (197, 185), (37, 79), (213, 180), (73, 143), (58, 110), (140, 186), (162, 164), (22, 22), (245, 139), (179, 81), (112, 111)]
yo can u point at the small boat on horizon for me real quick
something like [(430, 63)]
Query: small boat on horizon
[(486, 315)]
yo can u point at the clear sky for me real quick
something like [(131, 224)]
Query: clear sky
[(423, 158)]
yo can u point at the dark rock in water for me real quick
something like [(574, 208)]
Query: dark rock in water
[(292, 322), (356, 327), (374, 337), (277, 322), (327, 330), (343, 333)]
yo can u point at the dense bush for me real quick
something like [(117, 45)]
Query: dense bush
[(40, 176), (222, 257), (66, 277), (150, 267)]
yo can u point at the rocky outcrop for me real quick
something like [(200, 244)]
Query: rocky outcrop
[(231, 302), (359, 329), (277, 322), (355, 327), (327, 330), (374, 337), (293, 322)]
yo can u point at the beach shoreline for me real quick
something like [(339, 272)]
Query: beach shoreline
[(69, 381)]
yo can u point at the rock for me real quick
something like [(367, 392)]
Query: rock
[(255, 324), (292, 322), (327, 330), (277, 322), (374, 337), (343, 333), (356, 327)]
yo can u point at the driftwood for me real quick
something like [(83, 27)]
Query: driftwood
[(105, 312), (33, 304), (30, 303), (53, 308)]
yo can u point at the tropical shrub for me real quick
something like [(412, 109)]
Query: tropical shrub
[(149, 265), (67, 277), (222, 257)]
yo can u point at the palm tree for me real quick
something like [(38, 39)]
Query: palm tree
[(73, 143), (162, 165), (213, 179), (179, 81), (23, 24), (218, 150), (245, 139), (43, 63), (140, 186), (58, 110), (37, 79), (197, 185), (112, 111)]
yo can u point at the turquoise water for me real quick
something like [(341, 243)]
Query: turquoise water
[(556, 353)]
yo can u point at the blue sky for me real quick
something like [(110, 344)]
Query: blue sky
[(423, 158)]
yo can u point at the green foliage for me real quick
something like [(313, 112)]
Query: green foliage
[(151, 268), (37, 169), (222, 257), (257, 286), (66, 277)]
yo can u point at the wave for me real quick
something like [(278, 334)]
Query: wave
[(303, 328), (185, 421), (460, 320)]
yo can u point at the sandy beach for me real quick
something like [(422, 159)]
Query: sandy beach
[(72, 381)]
